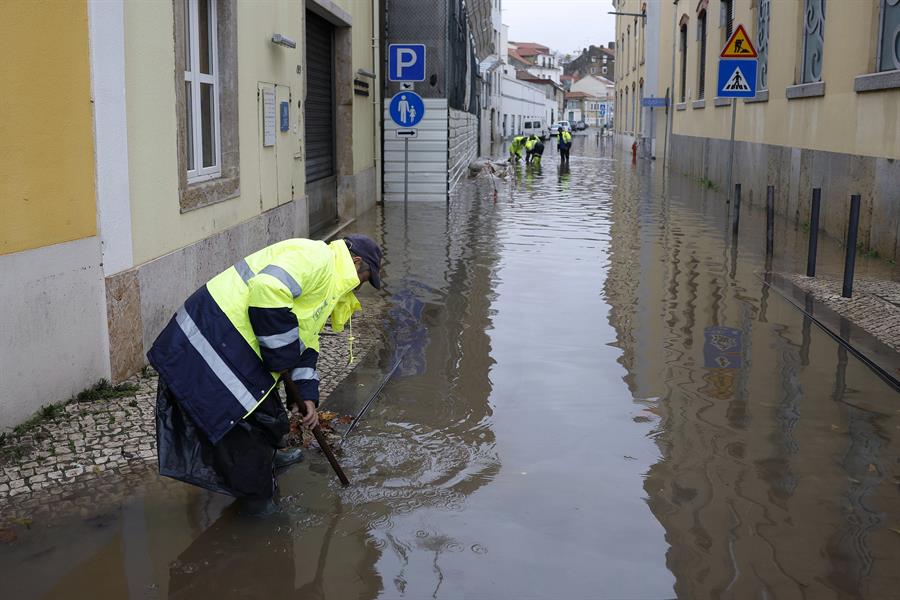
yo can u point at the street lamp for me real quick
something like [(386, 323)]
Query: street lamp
[(642, 14)]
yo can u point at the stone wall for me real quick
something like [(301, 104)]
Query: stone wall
[(462, 142), (794, 172), (142, 300)]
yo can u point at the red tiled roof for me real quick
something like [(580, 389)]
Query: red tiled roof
[(516, 56), (526, 76), (530, 48)]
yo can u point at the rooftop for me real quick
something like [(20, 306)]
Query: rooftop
[(530, 48)]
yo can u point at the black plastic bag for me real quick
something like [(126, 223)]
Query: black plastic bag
[(239, 465)]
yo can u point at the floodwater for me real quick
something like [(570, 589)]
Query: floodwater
[(599, 397)]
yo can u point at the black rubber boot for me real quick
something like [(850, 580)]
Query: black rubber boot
[(264, 507), (285, 458)]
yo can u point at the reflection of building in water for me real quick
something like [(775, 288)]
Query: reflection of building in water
[(770, 481), (406, 329), (182, 544), (439, 273)]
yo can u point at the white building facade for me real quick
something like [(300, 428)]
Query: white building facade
[(604, 91), (491, 76), (546, 67), (521, 101)]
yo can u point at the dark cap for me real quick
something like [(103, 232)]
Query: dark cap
[(366, 248)]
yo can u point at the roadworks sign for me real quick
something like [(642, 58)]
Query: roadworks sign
[(739, 45)]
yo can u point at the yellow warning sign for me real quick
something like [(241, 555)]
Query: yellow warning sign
[(739, 46)]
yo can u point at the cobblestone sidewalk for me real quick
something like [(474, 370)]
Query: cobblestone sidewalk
[(106, 445), (875, 305)]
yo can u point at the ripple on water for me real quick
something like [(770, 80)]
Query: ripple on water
[(401, 467)]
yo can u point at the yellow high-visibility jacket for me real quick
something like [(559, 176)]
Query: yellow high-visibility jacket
[(222, 353), (516, 146)]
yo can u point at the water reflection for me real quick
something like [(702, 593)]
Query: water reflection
[(771, 481), (219, 563), (600, 399)]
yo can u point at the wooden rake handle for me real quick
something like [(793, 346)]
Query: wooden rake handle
[(293, 397)]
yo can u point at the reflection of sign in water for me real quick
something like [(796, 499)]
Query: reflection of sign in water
[(406, 329), (722, 350), (719, 384)]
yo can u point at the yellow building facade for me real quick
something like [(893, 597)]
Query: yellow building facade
[(641, 32), (146, 146), (49, 248), (826, 113)]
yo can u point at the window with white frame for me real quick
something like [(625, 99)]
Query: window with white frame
[(201, 91)]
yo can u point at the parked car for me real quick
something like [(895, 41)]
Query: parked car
[(564, 125), (580, 126), (535, 127)]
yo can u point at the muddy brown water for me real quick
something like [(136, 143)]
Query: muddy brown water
[(599, 399)]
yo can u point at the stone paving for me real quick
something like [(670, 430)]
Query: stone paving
[(875, 305), (108, 447)]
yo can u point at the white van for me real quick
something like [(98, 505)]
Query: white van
[(534, 127)]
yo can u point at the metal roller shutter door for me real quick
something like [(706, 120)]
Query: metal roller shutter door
[(319, 115)]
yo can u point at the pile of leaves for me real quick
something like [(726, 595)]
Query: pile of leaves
[(301, 436)]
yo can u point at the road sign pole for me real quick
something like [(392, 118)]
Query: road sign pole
[(730, 187), (737, 79), (405, 170)]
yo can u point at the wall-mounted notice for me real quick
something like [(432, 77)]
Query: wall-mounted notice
[(268, 116)]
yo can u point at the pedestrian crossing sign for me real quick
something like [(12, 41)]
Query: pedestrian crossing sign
[(739, 45), (737, 82), (737, 78)]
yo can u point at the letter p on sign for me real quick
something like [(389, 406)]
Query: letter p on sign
[(406, 62)]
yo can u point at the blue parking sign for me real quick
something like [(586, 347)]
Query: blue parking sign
[(406, 62)]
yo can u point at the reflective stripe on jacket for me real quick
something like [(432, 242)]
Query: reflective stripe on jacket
[(222, 352)]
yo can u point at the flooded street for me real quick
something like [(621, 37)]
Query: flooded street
[(598, 397)]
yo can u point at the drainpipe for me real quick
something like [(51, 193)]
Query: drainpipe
[(671, 108), (377, 92)]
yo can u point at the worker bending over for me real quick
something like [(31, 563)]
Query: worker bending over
[(534, 149), (515, 148), (219, 420)]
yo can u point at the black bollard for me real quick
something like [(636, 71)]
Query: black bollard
[(850, 257), (813, 232), (770, 222), (736, 216)]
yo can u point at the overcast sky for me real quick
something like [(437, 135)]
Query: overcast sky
[(564, 25)]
